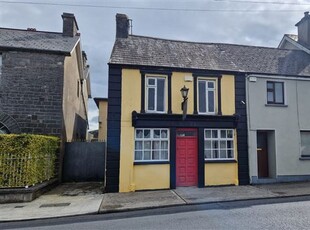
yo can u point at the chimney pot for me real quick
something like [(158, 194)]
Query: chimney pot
[(122, 26), (70, 27), (306, 13)]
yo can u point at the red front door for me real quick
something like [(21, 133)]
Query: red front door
[(186, 158)]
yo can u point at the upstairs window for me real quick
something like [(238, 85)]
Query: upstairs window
[(275, 92), (155, 94), (206, 96)]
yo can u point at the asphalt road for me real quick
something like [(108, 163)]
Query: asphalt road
[(284, 213)]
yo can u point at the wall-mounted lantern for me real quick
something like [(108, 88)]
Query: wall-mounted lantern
[(184, 92)]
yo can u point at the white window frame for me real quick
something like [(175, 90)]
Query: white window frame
[(218, 139), (214, 90), (147, 87), (151, 139)]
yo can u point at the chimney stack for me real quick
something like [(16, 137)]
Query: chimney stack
[(304, 30), (70, 27), (122, 26)]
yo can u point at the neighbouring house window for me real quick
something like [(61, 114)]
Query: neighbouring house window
[(155, 94), (206, 96), (3, 129), (275, 92), (219, 144), (305, 143), (151, 145)]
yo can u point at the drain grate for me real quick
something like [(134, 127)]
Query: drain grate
[(19, 206), (54, 205)]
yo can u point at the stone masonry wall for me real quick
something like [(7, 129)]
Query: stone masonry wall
[(31, 86)]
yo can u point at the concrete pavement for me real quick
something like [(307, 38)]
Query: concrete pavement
[(87, 198)]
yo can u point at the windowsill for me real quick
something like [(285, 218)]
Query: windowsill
[(304, 157), (151, 162), (156, 112), (221, 161), (276, 105)]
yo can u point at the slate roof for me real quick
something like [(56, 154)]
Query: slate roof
[(148, 51), (36, 40)]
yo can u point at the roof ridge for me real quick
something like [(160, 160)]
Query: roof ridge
[(32, 31)]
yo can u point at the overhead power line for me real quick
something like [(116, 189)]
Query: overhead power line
[(159, 8), (264, 2)]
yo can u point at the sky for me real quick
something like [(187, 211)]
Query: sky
[(247, 22)]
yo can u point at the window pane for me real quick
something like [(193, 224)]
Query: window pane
[(207, 144), (147, 145), (156, 133), (138, 145), (279, 92), (164, 134), (270, 97), (215, 153), (156, 155), (210, 85), (147, 155), (202, 96), (230, 144), (214, 133), (229, 134), (151, 99), (269, 85), (138, 155), (222, 144), (211, 101), (208, 154), (222, 153), (164, 155), (156, 145), (147, 133), (223, 133), (160, 94), (151, 81), (215, 144), (305, 143), (164, 145), (139, 133), (208, 134), (230, 153)]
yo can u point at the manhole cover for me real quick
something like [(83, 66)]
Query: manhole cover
[(54, 205)]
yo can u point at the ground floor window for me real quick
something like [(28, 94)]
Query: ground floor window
[(218, 144), (151, 145), (305, 143)]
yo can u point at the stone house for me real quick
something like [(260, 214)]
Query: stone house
[(44, 82)]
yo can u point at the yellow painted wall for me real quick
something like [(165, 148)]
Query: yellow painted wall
[(221, 174), (158, 176), (228, 94), (177, 82)]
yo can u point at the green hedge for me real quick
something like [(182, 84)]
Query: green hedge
[(26, 159)]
